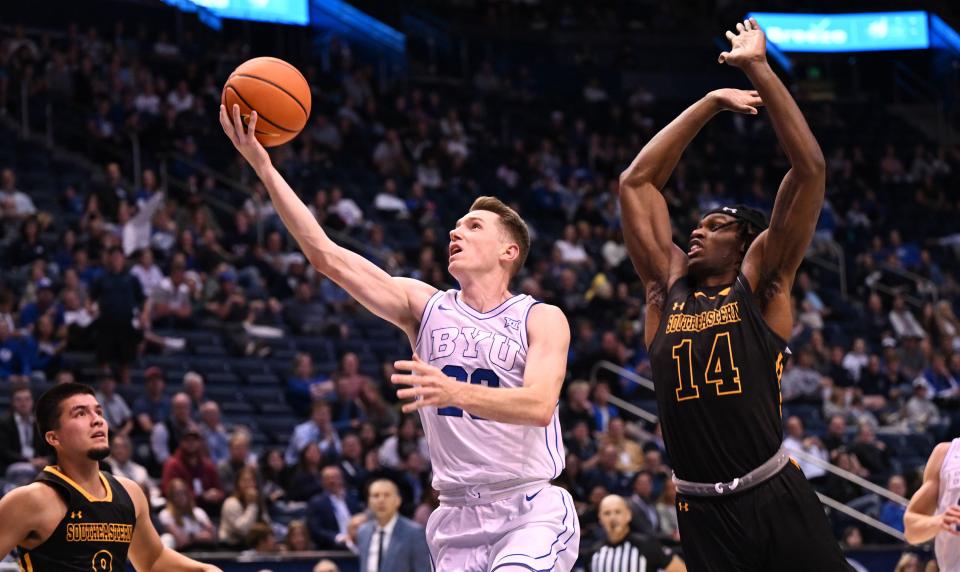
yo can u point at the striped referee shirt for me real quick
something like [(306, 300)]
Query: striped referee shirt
[(635, 553)]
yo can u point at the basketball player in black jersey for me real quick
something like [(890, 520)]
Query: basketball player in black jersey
[(717, 323), (74, 518)]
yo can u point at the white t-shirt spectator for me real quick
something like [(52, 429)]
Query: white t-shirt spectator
[(571, 253), (180, 102), (390, 203), (150, 278), (192, 525), (16, 203)]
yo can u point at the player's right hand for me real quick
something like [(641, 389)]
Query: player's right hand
[(950, 519), (244, 139), (738, 100)]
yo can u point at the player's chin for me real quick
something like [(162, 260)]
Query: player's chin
[(98, 453)]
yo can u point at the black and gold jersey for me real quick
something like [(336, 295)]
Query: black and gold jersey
[(94, 535), (717, 366)]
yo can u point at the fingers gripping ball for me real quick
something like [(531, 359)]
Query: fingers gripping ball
[(277, 91)]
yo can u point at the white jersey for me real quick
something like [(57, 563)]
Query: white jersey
[(947, 547), (488, 348)]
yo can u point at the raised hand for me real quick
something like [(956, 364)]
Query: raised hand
[(737, 100), (243, 139), (747, 46)]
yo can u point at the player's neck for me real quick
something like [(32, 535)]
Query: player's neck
[(484, 293), (85, 472), (714, 280)]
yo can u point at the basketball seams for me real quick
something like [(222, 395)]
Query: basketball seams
[(260, 115), (306, 114)]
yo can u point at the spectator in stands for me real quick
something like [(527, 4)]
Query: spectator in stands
[(195, 389), (801, 383), (45, 304), (153, 406), (629, 452), (920, 412), (603, 412), (326, 566), (14, 204), (346, 209), (213, 432), (653, 464), (298, 537), (351, 461), (172, 300), (115, 409), (329, 512), (376, 409), (606, 474), (187, 524), (797, 440), (305, 313), (643, 505), (582, 444), (121, 463), (306, 385), (307, 478), (891, 513), (318, 429), (346, 409), (239, 458), (388, 202), (904, 323), (406, 440), (21, 445), (577, 406), (856, 359), (14, 362), (939, 379), (242, 509), (191, 464), (275, 475), (120, 299), (147, 272), (259, 540), (871, 452), (413, 481), (166, 436), (390, 540), (667, 512)]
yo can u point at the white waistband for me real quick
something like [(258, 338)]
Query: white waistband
[(483, 494)]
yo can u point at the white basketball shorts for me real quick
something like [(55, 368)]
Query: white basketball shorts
[(535, 528)]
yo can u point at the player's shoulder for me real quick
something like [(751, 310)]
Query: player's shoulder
[(939, 453), (34, 499), (132, 488), (546, 319)]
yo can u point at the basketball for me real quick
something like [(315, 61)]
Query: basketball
[(277, 91)]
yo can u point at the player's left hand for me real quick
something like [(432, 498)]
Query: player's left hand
[(747, 46), (431, 387)]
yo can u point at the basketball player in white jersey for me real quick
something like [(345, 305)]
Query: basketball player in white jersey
[(486, 376), (933, 512)]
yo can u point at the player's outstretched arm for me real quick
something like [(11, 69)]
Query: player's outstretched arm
[(778, 252), (147, 552), (533, 404), (646, 221), (920, 524), (397, 300)]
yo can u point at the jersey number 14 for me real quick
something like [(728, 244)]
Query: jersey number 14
[(721, 371)]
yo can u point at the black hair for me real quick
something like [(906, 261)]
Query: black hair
[(48, 406)]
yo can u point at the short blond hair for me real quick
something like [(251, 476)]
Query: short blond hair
[(511, 222)]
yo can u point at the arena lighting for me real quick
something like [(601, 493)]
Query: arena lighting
[(856, 32), (277, 11)]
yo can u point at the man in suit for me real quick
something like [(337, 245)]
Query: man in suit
[(328, 513), (390, 541), (20, 442)]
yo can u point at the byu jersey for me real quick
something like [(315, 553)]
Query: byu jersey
[(485, 348), (947, 547)]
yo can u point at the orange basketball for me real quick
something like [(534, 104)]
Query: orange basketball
[(279, 93)]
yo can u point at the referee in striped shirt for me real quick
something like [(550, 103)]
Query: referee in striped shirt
[(623, 551)]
